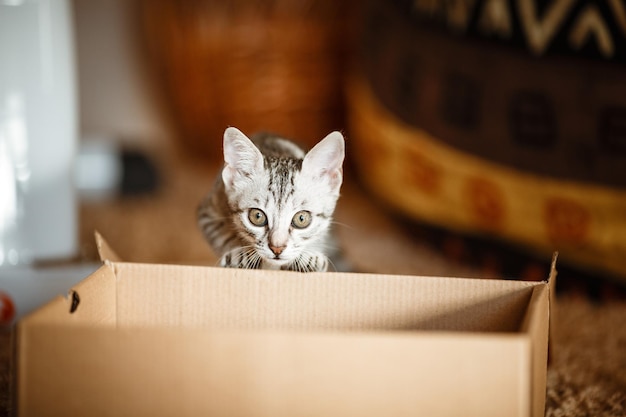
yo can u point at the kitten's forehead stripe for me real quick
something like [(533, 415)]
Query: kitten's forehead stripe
[(281, 177)]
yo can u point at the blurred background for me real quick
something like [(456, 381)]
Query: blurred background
[(482, 135)]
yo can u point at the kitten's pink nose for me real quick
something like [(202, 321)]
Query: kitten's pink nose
[(277, 250)]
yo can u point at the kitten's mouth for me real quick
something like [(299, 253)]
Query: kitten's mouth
[(276, 261)]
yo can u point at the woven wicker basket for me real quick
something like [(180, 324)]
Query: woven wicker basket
[(272, 65)]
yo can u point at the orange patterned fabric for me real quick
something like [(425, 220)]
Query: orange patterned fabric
[(438, 184)]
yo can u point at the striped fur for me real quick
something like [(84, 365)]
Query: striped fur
[(275, 176)]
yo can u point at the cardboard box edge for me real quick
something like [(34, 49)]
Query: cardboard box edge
[(105, 251)]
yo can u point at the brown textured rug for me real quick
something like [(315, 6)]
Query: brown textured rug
[(587, 372)]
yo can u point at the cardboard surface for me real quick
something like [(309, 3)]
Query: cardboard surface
[(180, 340)]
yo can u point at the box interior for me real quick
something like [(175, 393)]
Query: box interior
[(139, 295)]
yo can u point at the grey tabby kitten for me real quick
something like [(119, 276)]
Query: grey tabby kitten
[(272, 205)]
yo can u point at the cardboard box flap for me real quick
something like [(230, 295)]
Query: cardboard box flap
[(92, 301), (104, 249)]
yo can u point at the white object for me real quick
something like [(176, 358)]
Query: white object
[(38, 132), (98, 169)]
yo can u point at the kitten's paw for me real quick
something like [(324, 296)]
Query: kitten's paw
[(309, 263), (226, 260), (238, 258)]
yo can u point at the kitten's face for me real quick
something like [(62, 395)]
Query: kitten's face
[(282, 206)]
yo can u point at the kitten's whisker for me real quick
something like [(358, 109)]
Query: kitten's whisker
[(346, 225), (252, 258), (253, 261), (296, 264), (301, 267), (245, 255), (331, 263)]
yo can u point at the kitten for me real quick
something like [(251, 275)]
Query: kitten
[(272, 205)]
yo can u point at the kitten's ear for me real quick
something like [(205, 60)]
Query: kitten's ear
[(242, 159), (325, 160)]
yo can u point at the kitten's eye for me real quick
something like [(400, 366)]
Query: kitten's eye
[(257, 217), (301, 220)]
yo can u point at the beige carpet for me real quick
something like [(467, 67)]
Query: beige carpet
[(587, 373)]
